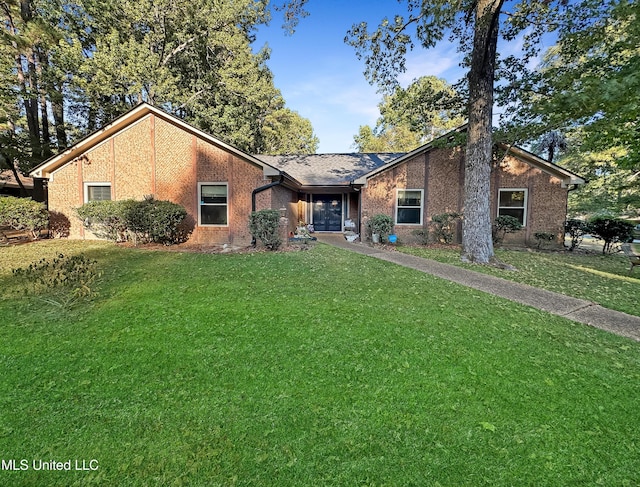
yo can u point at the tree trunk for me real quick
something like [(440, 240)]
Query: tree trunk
[(57, 109), (477, 245)]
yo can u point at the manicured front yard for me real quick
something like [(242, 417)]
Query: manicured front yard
[(320, 367), (604, 279)]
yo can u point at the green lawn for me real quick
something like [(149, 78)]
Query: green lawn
[(311, 368), (604, 279)]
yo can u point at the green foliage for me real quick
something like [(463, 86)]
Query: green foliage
[(106, 219), (544, 238), (611, 186), (144, 221), (264, 225), (611, 230), (380, 224), (588, 80), (69, 68), (444, 226), (23, 214), (576, 229), (63, 281), (156, 221), (286, 132), (503, 225), (421, 235), (392, 139), (426, 109)]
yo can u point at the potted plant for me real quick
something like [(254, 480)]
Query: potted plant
[(380, 226)]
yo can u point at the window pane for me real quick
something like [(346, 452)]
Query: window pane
[(514, 212), (213, 215), (409, 198), (409, 215), (213, 194), (512, 198), (98, 193)]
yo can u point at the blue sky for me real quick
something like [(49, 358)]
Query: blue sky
[(321, 78)]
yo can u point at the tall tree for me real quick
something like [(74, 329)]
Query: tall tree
[(72, 66), (475, 25), (589, 79), (394, 138), (409, 117), (587, 86)]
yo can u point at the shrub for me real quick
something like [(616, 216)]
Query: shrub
[(59, 225), (23, 214), (145, 221), (443, 226), (611, 230), (544, 238), (381, 224), (63, 281), (576, 229), (156, 221), (264, 226), (421, 235), (502, 225), (105, 219)]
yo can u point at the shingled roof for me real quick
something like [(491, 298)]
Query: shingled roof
[(329, 169)]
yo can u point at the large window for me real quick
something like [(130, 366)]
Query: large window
[(213, 204), (513, 202), (409, 207), (97, 192)]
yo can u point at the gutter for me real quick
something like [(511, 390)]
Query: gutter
[(260, 190), (264, 188)]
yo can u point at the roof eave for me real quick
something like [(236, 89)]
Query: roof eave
[(46, 168)]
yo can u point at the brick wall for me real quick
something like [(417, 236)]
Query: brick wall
[(153, 156), (440, 173)]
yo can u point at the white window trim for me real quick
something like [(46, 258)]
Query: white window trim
[(421, 207), (525, 214), (95, 183), (211, 183)]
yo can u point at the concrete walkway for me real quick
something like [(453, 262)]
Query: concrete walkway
[(574, 309)]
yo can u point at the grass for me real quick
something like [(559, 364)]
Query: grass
[(603, 279), (319, 367)]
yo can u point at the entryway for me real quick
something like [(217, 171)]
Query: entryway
[(327, 212)]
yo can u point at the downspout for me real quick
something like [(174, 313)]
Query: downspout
[(357, 190), (260, 190)]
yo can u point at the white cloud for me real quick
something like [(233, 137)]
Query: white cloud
[(441, 61)]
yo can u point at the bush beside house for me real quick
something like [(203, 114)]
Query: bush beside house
[(23, 214), (144, 221)]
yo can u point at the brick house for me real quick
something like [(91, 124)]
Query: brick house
[(430, 181), (147, 151)]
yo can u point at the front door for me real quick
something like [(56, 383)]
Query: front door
[(327, 212)]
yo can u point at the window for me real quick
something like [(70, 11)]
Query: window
[(97, 192), (213, 204), (409, 207), (513, 202)]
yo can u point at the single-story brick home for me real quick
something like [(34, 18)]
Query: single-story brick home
[(150, 152)]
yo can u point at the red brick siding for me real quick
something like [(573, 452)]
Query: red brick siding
[(546, 204), (156, 157), (440, 173), (132, 162)]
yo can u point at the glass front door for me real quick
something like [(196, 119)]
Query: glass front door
[(327, 212)]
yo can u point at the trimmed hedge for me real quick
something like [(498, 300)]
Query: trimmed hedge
[(144, 221), (23, 214), (264, 226)]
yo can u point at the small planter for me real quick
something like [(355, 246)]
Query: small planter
[(375, 238)]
